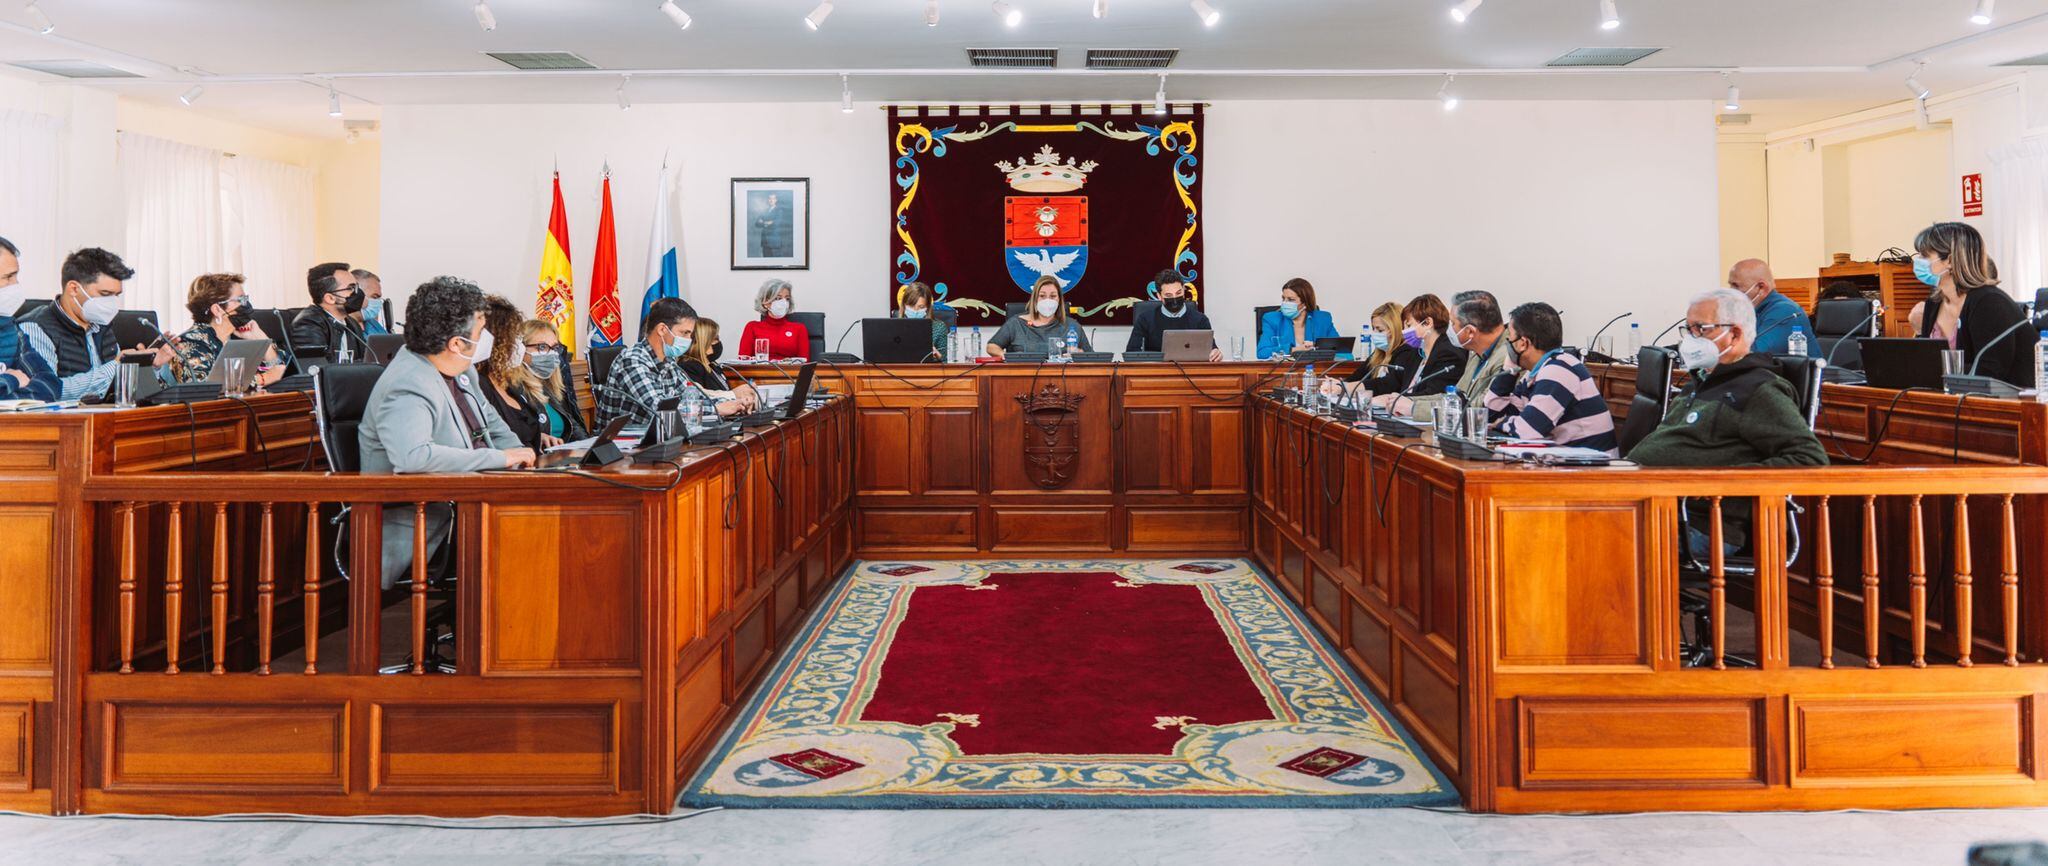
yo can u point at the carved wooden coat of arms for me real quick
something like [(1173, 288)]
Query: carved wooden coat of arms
[(1052, 435)]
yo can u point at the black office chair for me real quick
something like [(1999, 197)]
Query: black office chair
[(1259, 319), (135, 328), (1836, 330), (601, 359), (1654, 365), (948, 315), (814, 323), (31, 305), (1141, 307), (1014, 309)]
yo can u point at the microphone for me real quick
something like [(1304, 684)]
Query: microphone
[(1602, 357), (843, 335), (1667, 330)]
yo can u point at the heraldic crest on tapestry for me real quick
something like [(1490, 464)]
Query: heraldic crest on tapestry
[(986, 204)]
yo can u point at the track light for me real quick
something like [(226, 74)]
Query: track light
[(675, 13), (931, 13), (1159, 99), (1914, 86), (1982, 16), (484, 18), (1101, 9), (1610, 17), (845, 94), (1464, 10), (1921, 120), (191, 96), (625, 104), (1445, 96), (1206, 12), (1733, 102), (1009, 14), (817, 17), (333, 101), (42, 22)]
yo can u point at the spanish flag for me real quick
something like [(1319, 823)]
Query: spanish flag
[(556, 301), (605, 324)]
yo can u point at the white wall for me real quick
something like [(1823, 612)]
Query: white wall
[(1745, 201), (1899, 185), (1597, 207)]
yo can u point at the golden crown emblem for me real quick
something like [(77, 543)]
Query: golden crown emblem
[(1045, 173)]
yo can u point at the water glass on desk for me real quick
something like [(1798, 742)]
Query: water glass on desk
[(761, 349), (234, 377), (1475, 423)]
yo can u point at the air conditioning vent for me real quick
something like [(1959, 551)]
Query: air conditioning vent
[(1603, 56), (2036, 60), (1732, 119), (1013, 58), (541, 60), (1131, 58), (73, 68)]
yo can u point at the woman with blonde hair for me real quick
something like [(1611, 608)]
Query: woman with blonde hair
[(1391, 360), (509, 382), (557, 394), (1043, 325), (914, 301), (731, 394)]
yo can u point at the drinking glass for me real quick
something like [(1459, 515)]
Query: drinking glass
[(1438, 421), (234, 382), (124, 385), (1475, 423), (1236, 347), (347, 354), (761, 349), (1604, 345)]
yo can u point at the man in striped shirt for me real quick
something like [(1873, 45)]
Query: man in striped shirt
[(1548, 393)]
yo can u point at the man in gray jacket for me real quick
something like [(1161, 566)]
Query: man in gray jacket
[(427, 415)]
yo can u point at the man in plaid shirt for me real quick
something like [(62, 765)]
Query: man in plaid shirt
[(651, 370)]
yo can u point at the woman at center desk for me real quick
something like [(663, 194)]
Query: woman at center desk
[(1042, 325), (1442, 362), (1392, 361), (786, 339), (1298, 324), (733, 394)]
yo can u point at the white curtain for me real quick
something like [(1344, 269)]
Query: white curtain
[(2017, 196), (173, 196), (268, 211), (28, 196)]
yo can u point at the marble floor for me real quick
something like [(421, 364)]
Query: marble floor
[(1179, 837)]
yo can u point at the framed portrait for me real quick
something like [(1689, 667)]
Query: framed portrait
[(771, 223)]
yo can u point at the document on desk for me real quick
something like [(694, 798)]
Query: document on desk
[(626, 436), (1555, 452)]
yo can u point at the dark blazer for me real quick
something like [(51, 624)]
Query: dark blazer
[(1987, 312), (1400, 367), (315, 330), (526, 420), (1440, 371), (709, 378), (1149, 327)]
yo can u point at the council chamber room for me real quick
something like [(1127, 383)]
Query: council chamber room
[(1128, 431)]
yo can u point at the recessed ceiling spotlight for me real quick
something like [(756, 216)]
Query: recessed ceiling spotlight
[(625, 104), (36, 16), (675, 13), (845, 94), (333, 101), (1101, 8), (1464, 9), (484, 18), (1610, 17), (1914, 86), (1982, 16), (1009, 14), (1206, 12), (1159, 99), (191, 96), (817, 17), (931, 13)]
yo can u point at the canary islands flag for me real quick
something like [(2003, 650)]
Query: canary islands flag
[(606, 324), (662, 281), (556, 301)]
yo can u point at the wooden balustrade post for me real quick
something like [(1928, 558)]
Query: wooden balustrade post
[(311, 588), (1873, 607), (2009, 583), (128, 587), (1960, 622), (1916, 555), (1824, 582), (1717, 601), (174, 587), (266, 590), (419, 588), (218, 596)]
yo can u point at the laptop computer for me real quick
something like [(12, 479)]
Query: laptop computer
[(1187, 345), (1902, 362), (802, 392), (1337, 345), (250, 351), (384, 347), (896, 341)]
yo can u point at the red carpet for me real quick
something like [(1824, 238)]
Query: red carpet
[(1063, 664)]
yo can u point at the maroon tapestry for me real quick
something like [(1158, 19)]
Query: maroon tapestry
[(987, 201)]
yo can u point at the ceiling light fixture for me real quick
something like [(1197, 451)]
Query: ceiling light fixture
[(333, 101), (931, 13), (42, 21), (625, 104), (1733, 101), (1206, 12), (1009, 14), (1101, 8), (845, 94), (1913, 84), (675, 13), (1610, 17), (1444, 94), (1982, 16), (191, 96), (1464, 10), (817, 17), (484, 18), (1159, 99)]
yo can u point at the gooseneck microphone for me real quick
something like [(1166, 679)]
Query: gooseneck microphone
[(1602, 357), (1874, 313), (836, 347), (1972, 383), (1667, 330)]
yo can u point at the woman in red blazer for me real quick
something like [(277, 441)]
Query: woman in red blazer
[(786, 339)]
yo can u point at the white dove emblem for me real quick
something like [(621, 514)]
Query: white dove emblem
[(1047, 264)]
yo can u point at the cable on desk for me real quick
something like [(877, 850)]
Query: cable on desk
[(1955, 454), (1394, 468), (192, 433)]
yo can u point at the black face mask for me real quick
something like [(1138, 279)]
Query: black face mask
[(239, 316), (1174, 305), (354, 304)]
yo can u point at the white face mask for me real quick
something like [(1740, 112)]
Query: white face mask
[(518, 358), (1047, 307), (100, 310), (11, 299), (1698, 353), (480, 348), (1457, 338), (778, 308)]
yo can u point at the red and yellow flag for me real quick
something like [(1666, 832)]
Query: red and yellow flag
[(556, 301), (606, 326)]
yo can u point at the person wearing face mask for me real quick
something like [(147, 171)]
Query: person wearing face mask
[(1548, 393), (1390, 361), (24, 375), (511, 388), (557, 399), (1968, 308), (786, 339), (1738, 410), (426, 413), (375, 317), (1442, 361), (220, 312), (733, 393), (74, 335), (328, 325), (914, 301), (1174, 312), (1777, 316), (651, 371), (1298, 324), (1043, 325), (1476, 329)]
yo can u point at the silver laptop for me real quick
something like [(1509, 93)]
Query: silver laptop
[(250, 351), (1188, 345)]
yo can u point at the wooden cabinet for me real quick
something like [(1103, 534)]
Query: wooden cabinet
[(1893, 284)]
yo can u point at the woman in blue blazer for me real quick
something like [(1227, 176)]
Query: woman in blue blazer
[(1299, 323)]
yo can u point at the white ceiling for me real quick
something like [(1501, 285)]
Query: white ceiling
[(1796, 60)]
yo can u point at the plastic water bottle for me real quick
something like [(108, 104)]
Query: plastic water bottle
[(975, 350), (1635, 339), (1796, 344), (1073, 340), (2041, 368), (693, 406), (1364, 347), (1452, 421), (1308, 387)]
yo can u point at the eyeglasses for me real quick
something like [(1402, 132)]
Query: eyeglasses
[(1703, 329), (542, 347)]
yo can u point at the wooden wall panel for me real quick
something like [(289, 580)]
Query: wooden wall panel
[(1593, 743), (700, 701), (495, 748), (1903, 741), (1372, 643), (883, 461), (918, 529), (28, 554), (223, 747), (1431, 699), (1185, 530), (950, 449), (1217, 449), (557, 599), (1049, 528), (1153, 459), (17, 746), (1008, 472), (752, 637), (1571, 585)]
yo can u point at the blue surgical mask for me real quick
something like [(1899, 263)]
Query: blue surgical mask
[(1923, 269), (372, 309), (916, 313), (1290, 309), (679, 347), (1378, 341)]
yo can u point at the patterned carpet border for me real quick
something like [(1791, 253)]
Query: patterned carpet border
[(1334, 744)]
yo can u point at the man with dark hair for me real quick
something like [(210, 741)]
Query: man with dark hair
[(1175, 312), (376, 315), (325, 327), (651, 371), (1476, 327), (74, 335), (23, 374), (427, 414), (1554, 397)]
